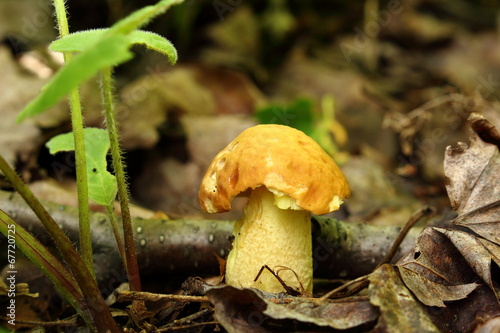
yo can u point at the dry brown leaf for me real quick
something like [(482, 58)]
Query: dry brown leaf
[(399, 310), (238, 310), (485, 129), (436, 272), (475, 253), (435, 258), (345, 314), (243, 310), (432, 293), (473, 175), (442, 272), (493, 249)]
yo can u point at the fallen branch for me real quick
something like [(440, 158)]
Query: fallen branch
[(187, 247)]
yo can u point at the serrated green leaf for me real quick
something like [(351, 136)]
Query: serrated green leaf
[(102, 184), (81, 40), (107, 52)]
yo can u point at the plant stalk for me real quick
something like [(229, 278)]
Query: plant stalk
[(128, 232), (101, 316), (116, 233), (35, 251), (80, 159)]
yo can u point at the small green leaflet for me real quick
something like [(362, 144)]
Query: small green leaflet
[(107, 52), (79, 41), (102, 184)]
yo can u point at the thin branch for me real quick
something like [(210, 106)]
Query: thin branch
[(363, 280)]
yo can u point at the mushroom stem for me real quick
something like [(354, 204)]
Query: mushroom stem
[(278, 238)]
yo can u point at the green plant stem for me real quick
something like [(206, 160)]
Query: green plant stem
[(116, 233), (128, 232), (101, 316), (80, 159), (81, 180), (35, 251)]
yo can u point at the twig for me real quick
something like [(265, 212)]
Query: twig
[(188, 321), (363, 280), (322, 299), (127, 296), (425, 211), (185, 327), (71, 321), (288, 289)]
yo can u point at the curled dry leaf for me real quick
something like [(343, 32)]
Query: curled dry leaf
[(473, 174), (244, 310), (432, 293), (478, 253), (435, 271), (485, 129), (439, 267), (442, 272), (435, 258)]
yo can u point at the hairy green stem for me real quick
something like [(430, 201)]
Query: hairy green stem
[(128, 232), (101, 316), (81, 162), (116, 233)]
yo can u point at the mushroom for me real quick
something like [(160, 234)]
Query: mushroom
[(290, 176)]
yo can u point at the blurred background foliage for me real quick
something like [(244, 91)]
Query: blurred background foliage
[(383, 86)]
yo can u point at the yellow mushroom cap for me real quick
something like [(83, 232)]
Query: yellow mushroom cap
[(283, 159)]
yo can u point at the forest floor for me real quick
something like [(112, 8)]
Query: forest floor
[(403, 95)]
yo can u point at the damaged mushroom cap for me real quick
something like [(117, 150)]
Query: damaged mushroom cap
[(284, 160)]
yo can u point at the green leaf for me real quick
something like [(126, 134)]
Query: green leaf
[(81, 40), (102, 184), (77, 41), (107, 52), (155, 42), (142, 16)]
